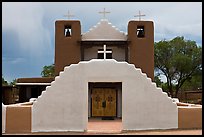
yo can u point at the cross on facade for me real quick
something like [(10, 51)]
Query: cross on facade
[(104, 51), (139, 15), (104, 12), (68, 15)]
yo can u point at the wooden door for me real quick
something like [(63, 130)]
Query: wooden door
[(103, 102), (97, 99), (110, 98)]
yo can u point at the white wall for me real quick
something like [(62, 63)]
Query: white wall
[(64, 104), (119, 103), (3, 118), (104, 31), (92, 53), (89, 103)]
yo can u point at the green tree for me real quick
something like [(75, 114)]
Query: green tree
[(158, 81), (4, 82), (178, 60), (48, 71), (13, 83), (193, 83)]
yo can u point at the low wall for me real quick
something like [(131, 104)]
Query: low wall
[(18, 119), (190, 117), (3, 118)]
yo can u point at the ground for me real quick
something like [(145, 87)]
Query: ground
[(155, 132), (113, 127)]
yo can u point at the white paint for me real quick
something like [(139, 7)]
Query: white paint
[(33, 84), (89, 103), (104, 31), (92, 52), (3, 118), (104, 51), (32, 99), (175, 100), (119, 103), (64, 104)]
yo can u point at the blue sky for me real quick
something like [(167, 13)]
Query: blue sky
[(28, 27)]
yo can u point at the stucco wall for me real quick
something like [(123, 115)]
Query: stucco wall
[(190, 117), (92, 53), (141, 50), (18, 119), (119, 103), (104, 30), (64, 104), (67, 49), (3, 118)]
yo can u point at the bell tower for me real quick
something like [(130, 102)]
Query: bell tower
[(141, 47), (67, 46)]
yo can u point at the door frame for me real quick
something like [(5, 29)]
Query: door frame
[(114, 85)]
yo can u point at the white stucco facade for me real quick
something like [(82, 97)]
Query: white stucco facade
[(63, 106), (117, 53), (104, 31), (3, 118)]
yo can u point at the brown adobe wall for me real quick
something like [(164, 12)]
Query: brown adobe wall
[(18, 119), (141, 50), (189, 117), (67, 49), (36, 80)]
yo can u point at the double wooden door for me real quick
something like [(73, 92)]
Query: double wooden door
[(103, 102)]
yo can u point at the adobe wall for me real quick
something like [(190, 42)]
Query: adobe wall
[(141, 50), (67, 49), (92, 53), (190, 117), (3, 118), (18, 119)]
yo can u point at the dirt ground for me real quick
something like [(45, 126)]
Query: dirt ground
[(154, 132), (114, 127)]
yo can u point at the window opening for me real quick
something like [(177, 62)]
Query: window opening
[(67, 31), (140, 31)]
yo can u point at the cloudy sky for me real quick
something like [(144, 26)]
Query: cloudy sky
[(28, 27)]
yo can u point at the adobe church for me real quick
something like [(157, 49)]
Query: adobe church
[(101, 73)]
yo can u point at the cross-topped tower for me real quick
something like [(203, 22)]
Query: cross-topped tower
[(104, 12), (68, 15), (139, 15)]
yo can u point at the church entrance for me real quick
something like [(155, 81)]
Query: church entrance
[(103, 102)]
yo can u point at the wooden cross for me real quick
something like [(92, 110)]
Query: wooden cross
[(104, 51), (68, 15), (104, 12), (139, 15)]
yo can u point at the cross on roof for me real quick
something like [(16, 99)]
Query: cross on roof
[(139, 15), (104, 51), (104, 12), (68, 15)]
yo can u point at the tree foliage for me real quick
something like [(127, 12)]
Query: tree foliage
[(13, 83), (178, 60), (193, 83), (48, 71), (4, 82), (158, 81)]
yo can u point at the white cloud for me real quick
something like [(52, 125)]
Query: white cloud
[(34, 24), (26, 19)]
